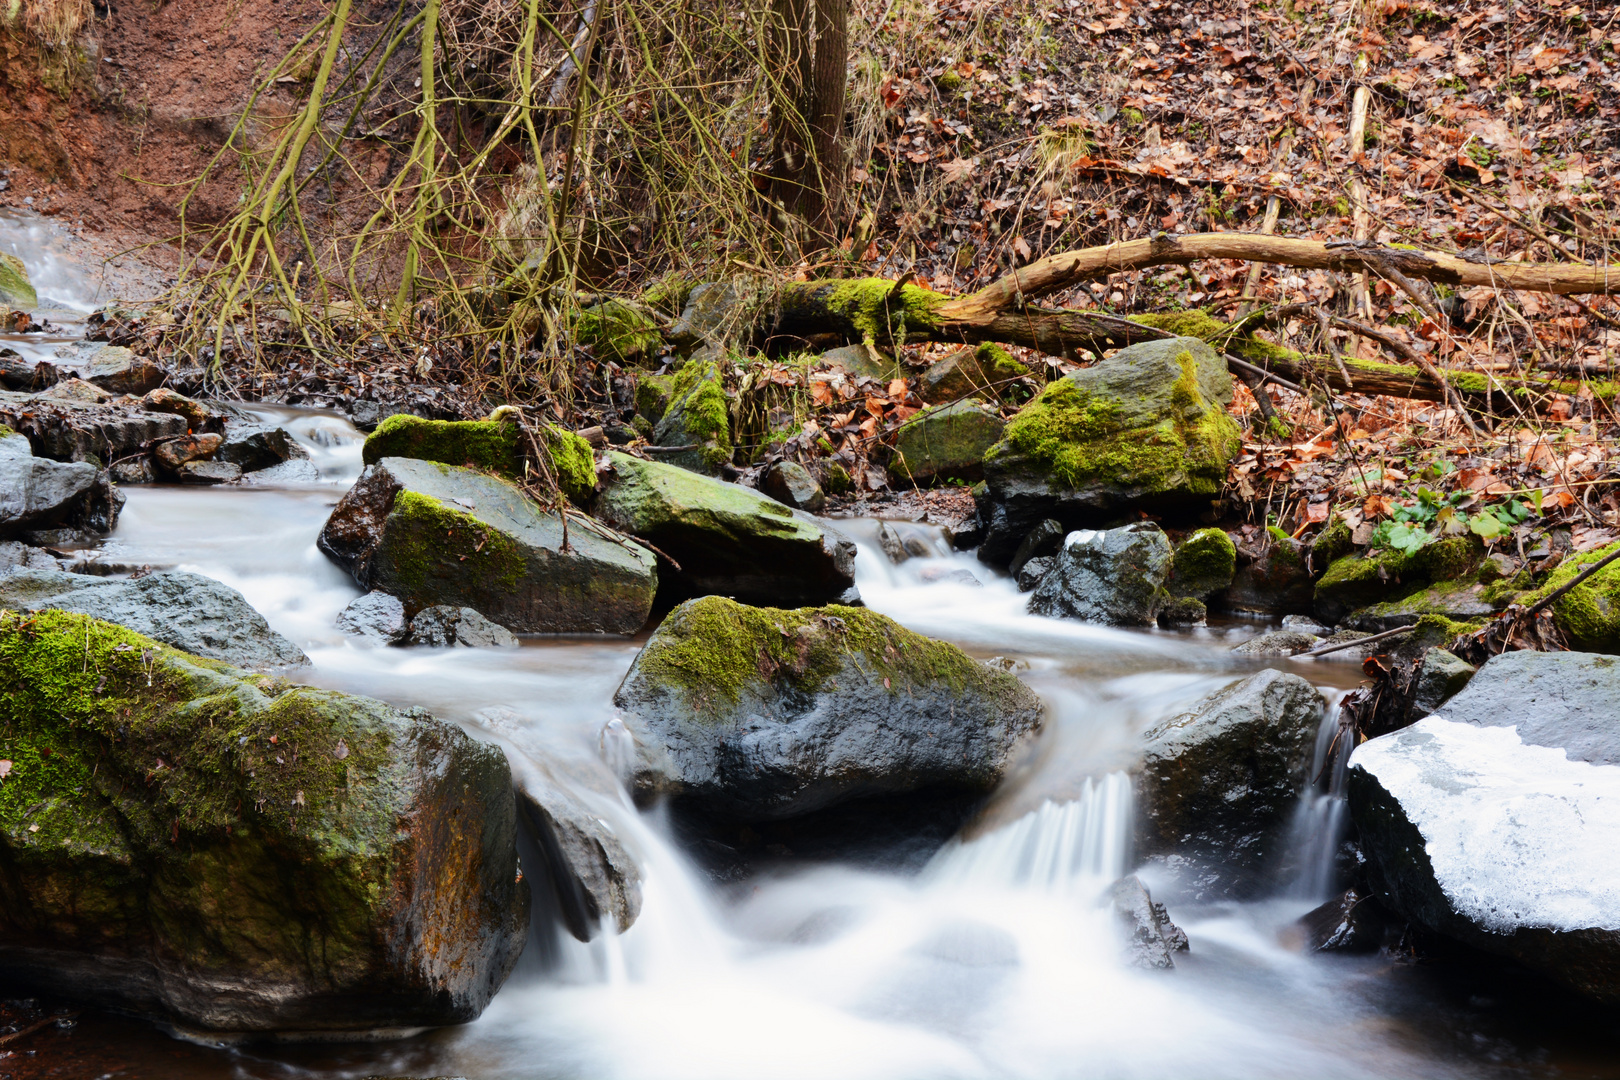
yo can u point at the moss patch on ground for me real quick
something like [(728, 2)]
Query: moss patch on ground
[(710, 651)]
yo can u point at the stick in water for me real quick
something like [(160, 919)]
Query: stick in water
[(1325, 649)]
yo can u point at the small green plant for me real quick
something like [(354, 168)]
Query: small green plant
[(1433, 516)]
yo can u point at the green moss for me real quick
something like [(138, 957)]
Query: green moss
[(871, 308), (1450, 558), (1332, 543), (1589, 614), (948, 80), (1080, 437), (668, 295), (1132, 117), (494, 446), (712, 650), (997, 363), (1437, 631), (428, 540), (653, 393), (15, 289), (618, 331), (698, 395), (1204, 564), (835, 479)]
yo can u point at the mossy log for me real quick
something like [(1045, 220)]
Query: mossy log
[(889, 313)]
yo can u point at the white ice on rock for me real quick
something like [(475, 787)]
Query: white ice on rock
[(1511, 829)]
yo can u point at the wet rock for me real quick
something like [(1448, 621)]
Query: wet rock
[(1183, 611), (984, 369), (946, 442), (900, 547), (19, 556), (444, 627), (728, 540), (1151, 939), (375, 615), (1303, 624), (208, 472), (1217, 786), (862, 359), (1440, 675), (1115, 577), (759, 713), (1204, 565), (496, 446), (253, 445), (435, 534), (1588, 614), (1351, 922), (1272, 578), (18, 374), (791, 484), (173, 453), (1033, 570), (201, 417), (65, 429), (697, 419), (1495, 821), (1043, 540), (229, 853), (36, 492), (717, 313), (15, 289), (188, 611), (938, 575), (1145, 429), (1278, 643), (77, 390), (1362, 580), (301, 471), (111, 368)]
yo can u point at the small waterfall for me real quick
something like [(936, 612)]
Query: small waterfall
[(1062, 848), (1319, 823)]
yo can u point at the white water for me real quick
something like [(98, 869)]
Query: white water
[(66, 292), (994, 962)]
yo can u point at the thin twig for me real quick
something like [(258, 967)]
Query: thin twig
[(1325, 649)]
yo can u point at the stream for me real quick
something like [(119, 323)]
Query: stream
[(992, 960)]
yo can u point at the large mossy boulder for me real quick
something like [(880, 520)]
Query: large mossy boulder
[(1363, 579), (435, 534), (1145, 429), (619, 331), (744, 713), (1114, 577), (1495, 821), (946, 443), (1588, 614), (491, 445), (16, 290), (696, 418), (179, 608), (728, 540), (231, 853), (1218, 785)]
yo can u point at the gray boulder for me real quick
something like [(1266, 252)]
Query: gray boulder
[(744, 713), (1272, 578), (1043, 541), (444, 627), (1495, 821), (946, 442), (208, 472), (191, 612), (1440, 675), (375, 615), (1033, 571), (1145, 429), (791, 484), (1278, 643), (862, 359), (435, 534), (15, 555), (1115, 577), (728, 540), (1151, 939), (1217, 786), (112, 368), (37, 493)]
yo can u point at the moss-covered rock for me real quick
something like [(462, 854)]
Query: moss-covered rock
[(728, 539), (15, 289), (652, 398), (1146, 429), (1203, 565), (232, 853), (1333, 542), (621, 332), (1274, 580), (1363, 579), (1458, 600), (697, 416), (986, 369), (1589, 614), (764, 713), (435, 534), (491, 445), (947, 442)]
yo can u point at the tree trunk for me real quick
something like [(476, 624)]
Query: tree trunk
[(807, 110)]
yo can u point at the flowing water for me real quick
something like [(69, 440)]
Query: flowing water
[(993, 961)]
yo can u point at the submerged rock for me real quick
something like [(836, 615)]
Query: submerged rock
[(1217, 786), (1145, 429), (728, 540), (228, 853), (759, 713), (1495, 821), (434, 534), (594, 875), (1151, 939), (1115, 577), (188, 611), (443, 627), (37, 493), (1350, 922)]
